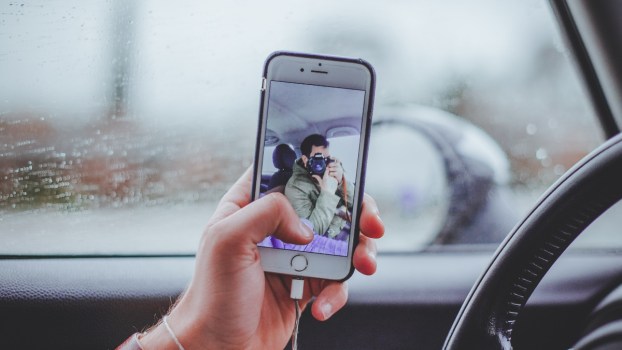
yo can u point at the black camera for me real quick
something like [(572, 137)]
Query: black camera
[(316, 165)]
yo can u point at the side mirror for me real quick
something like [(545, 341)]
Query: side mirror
[(438, 180)]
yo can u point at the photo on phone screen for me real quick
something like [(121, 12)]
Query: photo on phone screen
[(311, 149)]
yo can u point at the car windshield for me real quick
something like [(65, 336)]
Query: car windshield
[(122, 123)]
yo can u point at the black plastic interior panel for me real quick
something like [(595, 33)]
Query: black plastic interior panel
[(600, 25), (576, 41), (78, 303)]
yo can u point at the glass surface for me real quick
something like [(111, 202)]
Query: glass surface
[(604, 232), (413, 200), (317, 175), (123, 122)]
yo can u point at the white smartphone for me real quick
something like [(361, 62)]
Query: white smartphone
[(314, 123)]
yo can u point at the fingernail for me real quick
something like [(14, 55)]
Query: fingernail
[(372, 254), (379, 219), (306, 230), (327, 310), (377, 212)]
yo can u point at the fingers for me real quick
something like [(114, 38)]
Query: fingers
[(371, 224), (331, 299), (240, 192), (238, 196), (334, 295), (271, 214), (364, 258), (335, 173)]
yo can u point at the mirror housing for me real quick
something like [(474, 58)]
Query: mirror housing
[(477, 199)]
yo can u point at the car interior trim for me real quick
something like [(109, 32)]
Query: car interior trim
[(585, 64)]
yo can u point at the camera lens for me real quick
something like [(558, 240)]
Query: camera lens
[(319, 169), (319, 64), (316, 165), (302, 69)]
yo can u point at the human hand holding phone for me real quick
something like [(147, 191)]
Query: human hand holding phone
[(327, 182), (335, 169), (236, 299), (231, 302)]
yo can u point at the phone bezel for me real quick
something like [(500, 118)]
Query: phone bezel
[(341, 73)]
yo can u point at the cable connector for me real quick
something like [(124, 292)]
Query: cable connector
[(298, 285)]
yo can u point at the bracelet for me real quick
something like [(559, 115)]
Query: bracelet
[(170, 331), (137, 340), (131, 343)]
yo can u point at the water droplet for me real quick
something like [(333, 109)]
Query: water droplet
[(531, 129), (541, 153)]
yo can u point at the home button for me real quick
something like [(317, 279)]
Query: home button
[(299, 262)]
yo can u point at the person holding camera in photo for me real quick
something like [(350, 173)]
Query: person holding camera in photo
[(319, 191)]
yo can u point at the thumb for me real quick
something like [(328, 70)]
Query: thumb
[(270, 215)]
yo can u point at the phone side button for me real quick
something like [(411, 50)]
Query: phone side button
[(299, 262)]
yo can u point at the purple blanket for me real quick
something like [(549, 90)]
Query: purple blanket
[(320, 244)]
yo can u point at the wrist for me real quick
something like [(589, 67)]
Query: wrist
[(157, 338), (185, 327)]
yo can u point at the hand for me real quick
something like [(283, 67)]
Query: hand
[(327, 182), (231, 303), (335, 169)]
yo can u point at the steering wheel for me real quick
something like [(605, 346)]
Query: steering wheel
[(490, 311)]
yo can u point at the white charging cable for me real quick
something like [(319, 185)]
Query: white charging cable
[(295, 293)]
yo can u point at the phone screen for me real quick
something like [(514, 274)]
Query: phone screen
[(311, 153)]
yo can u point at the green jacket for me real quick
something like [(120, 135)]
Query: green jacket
[(322, 208)]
